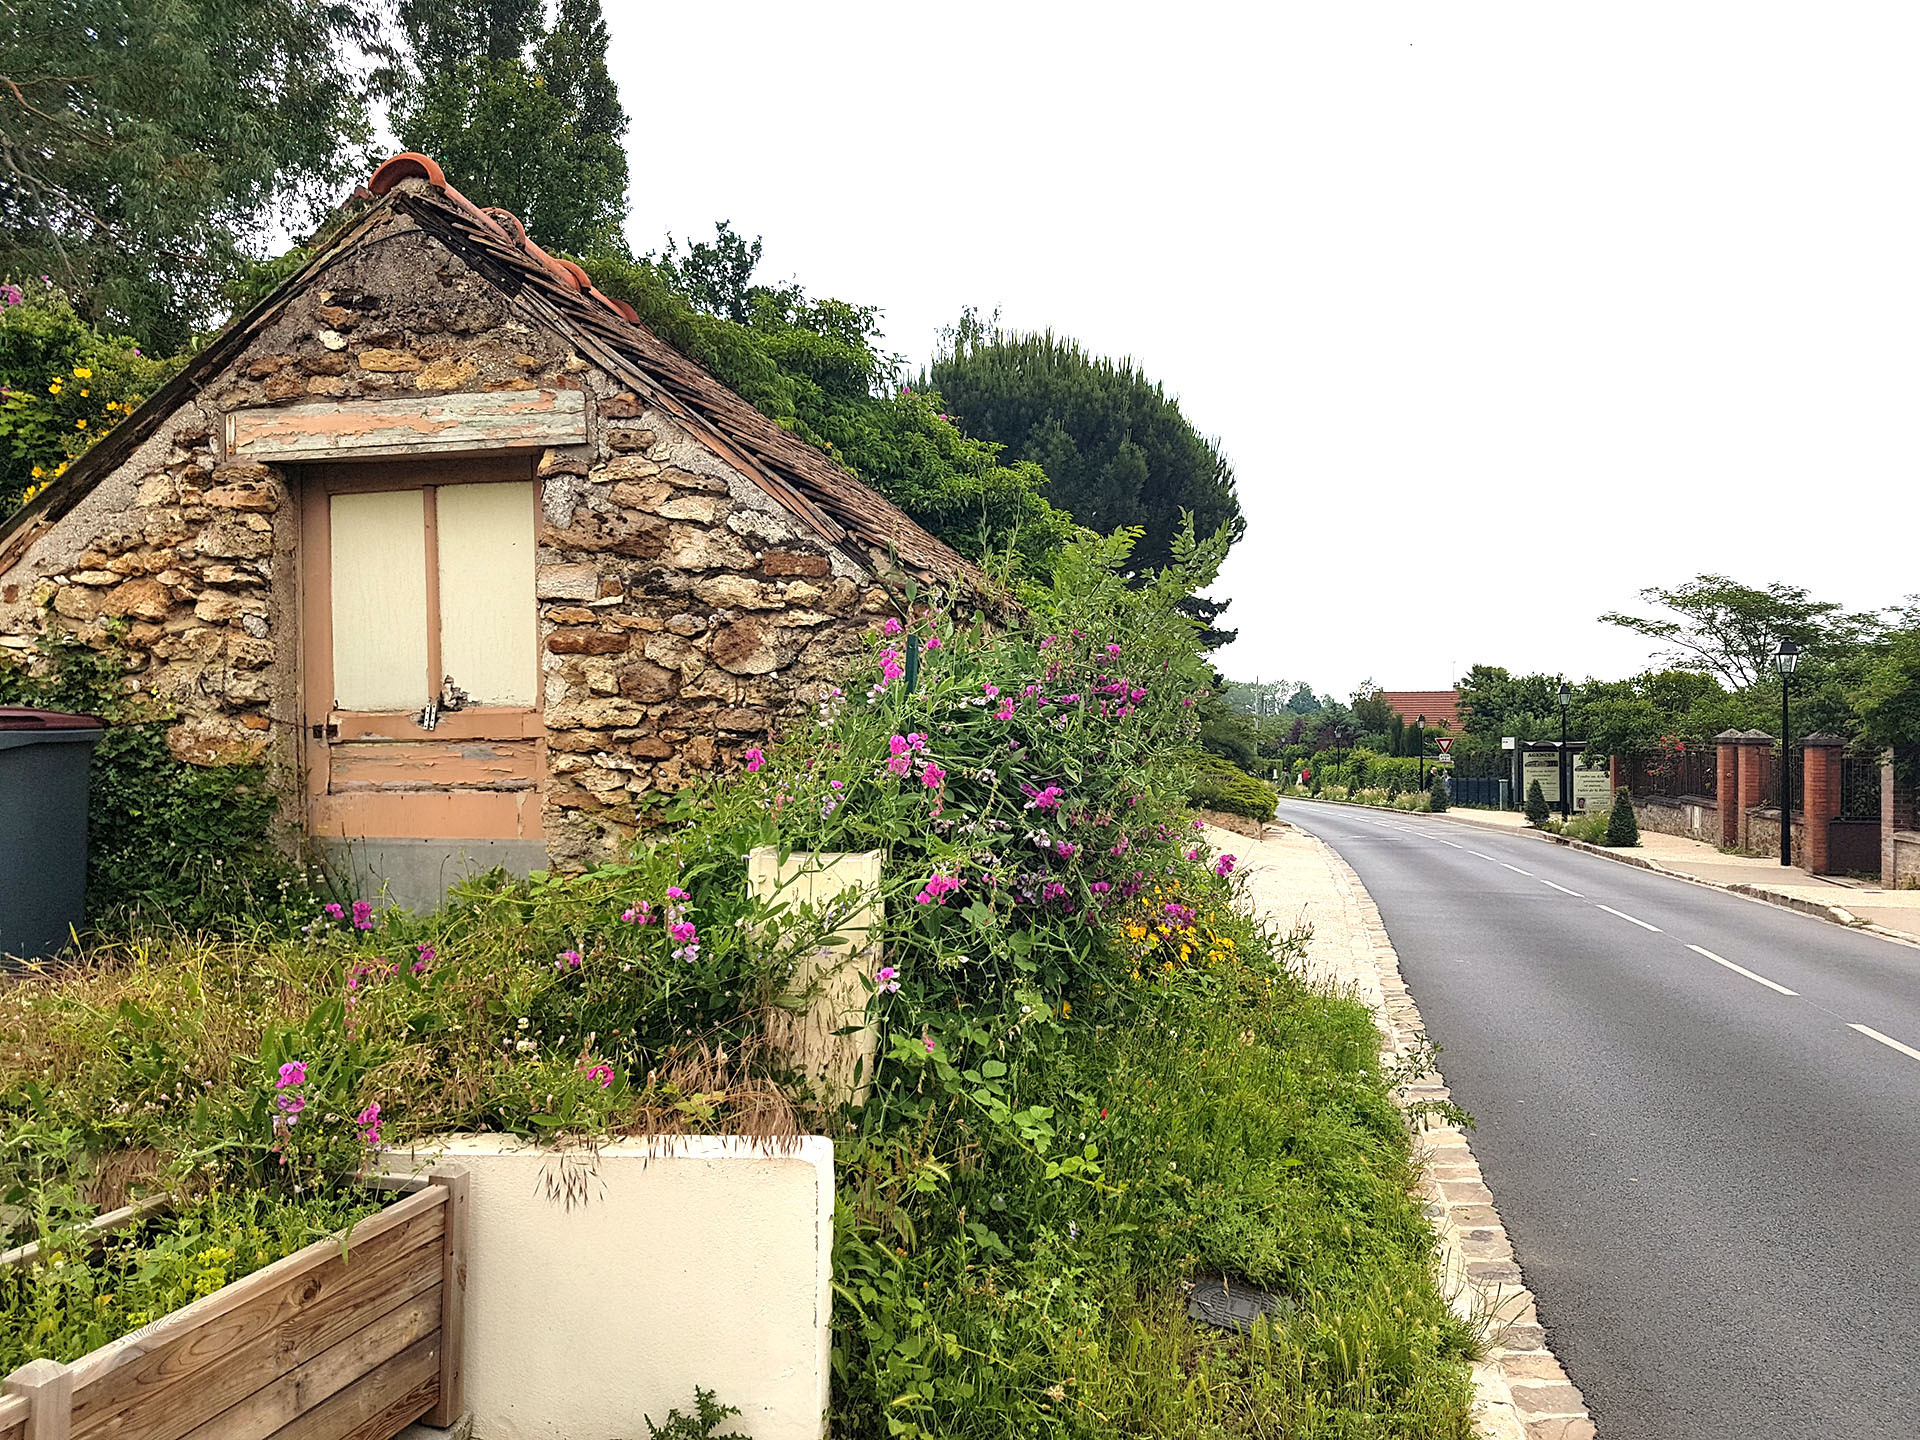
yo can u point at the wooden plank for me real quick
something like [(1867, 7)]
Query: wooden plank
[(428, 815), (435, 765), (168, 1411), (106, 1224), (416, 425), (316, 641), (452, 1397), (47, 1387), (479, 723), (378, 1406), (13, 1416), (197, 1335), (279, 1404), (430, 513)]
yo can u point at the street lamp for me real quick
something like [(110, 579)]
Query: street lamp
[(1420, 748), (1566, 788), (1784, 660)]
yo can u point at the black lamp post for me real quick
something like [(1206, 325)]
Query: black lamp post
[(1566, 776), (1787, 657), (1420, 748)]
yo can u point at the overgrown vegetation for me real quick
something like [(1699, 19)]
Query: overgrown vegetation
[(1098, 1078), (1219, 785)]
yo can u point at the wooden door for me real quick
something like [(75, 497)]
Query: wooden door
[(421, 664)]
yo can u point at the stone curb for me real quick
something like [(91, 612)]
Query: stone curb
[(1520, 1391)]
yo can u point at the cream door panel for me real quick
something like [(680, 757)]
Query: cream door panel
[(379, 545), (487, 619)]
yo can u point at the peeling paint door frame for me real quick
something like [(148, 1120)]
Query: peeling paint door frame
[(480, 772)]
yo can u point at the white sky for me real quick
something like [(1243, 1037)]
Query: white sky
[(1490, 305)]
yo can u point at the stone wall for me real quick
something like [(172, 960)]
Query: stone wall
[(685, 614), (1693, 818)]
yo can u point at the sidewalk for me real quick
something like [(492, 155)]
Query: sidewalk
[(1294, 880), (1892, 912)]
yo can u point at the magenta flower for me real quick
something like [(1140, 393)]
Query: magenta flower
[(363, 915), (887, 979), (897, 745), (933, 776), (684, 933), (936, 890), (294, 1072), (369, 1122), (755, 757), (570, 959), (1113, 649), (1064, 849), (1047, 799), (674, 892), (333, 911), (892, 627), (1223, 867)]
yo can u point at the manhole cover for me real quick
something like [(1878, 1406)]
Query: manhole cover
[(1228, 1304)]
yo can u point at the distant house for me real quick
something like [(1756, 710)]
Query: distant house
[(1441, 707), (472, 560)]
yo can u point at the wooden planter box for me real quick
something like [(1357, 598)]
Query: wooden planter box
[(334, 1342)]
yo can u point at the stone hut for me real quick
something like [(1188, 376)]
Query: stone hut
[(473, 560)]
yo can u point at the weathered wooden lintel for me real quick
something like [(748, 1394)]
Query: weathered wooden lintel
[(414, 425)]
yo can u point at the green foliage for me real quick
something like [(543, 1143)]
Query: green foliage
[(63, 384), (1536, 808), (1623, 826), (708, 1412), (811, 366), (1114, 444), (1437, 793), (189, 843), (150, 143), (83, 1291), (1219, 784), (1732, 631), (520, 117)]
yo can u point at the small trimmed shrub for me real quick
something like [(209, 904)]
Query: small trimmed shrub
[(1536, 804), (1437, 795), (1623, 826), (1219, 784)]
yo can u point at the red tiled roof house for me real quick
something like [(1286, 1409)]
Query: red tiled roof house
[(473, 560)]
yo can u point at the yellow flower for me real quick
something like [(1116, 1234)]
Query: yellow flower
[(81, 372), (1066, 1008), (79, 424), (38, 471), (86, 392)]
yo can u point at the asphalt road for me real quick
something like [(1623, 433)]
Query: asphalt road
[(1712, 1185)]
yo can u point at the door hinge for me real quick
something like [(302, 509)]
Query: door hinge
[(326, 731)]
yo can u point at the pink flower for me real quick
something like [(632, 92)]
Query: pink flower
[(933, 642), (1064, 849), (674, 892), (333, 911), (897, 745), (755, 757), (640, 914), (936, 890), (901, 765), (1047, 799), (933, 777), (569, 959), (362, 915), (684, 933), (887, 979), (1113, 649), (602, 1072), (892, 627), (926, 1039), (369, 1122), (427, 955), (1223, 867), (294, 1072), (1005, 712)]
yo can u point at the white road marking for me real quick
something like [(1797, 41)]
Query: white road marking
[(1485, 857), (1888, 1040), (1630, 919), (1518, 871), (1561, 888), (1742, 970), (1449, 842)]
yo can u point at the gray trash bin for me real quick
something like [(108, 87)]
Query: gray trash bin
[(43, 827)]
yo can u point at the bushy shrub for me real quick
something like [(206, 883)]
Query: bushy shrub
[(1536, 810), (1623, 826), (1218, 784), (1437, 794)]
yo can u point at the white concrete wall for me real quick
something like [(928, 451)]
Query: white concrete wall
[(678, 1262)]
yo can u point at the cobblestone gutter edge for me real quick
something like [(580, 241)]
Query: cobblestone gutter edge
[(1520, 1391)]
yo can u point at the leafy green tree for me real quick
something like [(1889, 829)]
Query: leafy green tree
[(1732, 631), (1623, 826), (1887, 695), (1536, 809), (1437, 793), (147, 144), (1114, 444), (521, 117), (812, 366)]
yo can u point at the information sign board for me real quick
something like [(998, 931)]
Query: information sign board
[(1544, 766), (1592, 790)]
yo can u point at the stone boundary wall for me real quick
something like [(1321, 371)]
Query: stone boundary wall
[(685, 615), (1691, 817)]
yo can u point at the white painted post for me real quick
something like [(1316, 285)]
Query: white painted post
[(842, 1064)]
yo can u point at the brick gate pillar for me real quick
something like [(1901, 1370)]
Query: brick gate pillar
[(1726, 786), (1820, 778), (1754, 747)]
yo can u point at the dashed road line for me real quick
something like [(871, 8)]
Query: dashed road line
[(1742, 970), (1887, 1040), (1631, 919), (1485, 856), (1518, 871), (1561, 888)]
